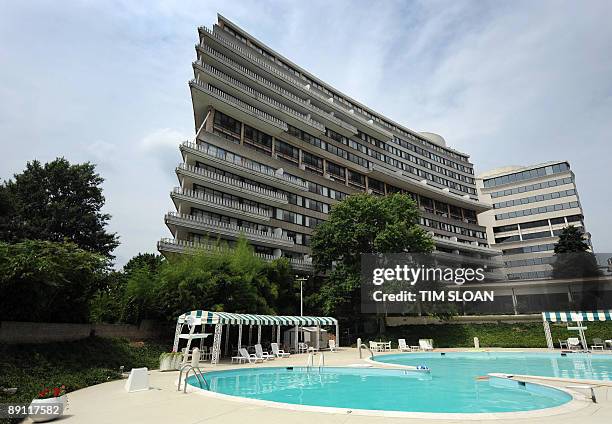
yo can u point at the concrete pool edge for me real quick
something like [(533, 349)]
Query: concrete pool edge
[(576, 403)]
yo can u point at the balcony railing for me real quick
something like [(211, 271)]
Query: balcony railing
[(247, 164), (251, 57), (222, 203), (213, 225), (180, 246), (234, 183), (262, 97), (239, 104), (263, 64), (274, 87)]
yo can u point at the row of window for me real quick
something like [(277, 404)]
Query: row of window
[(536, 211), (298, 238), (406, 156), (205, 239), (539, 223), (523, 237), (229, 220), (430, 155), (530, 249), (292, 198), (529, 275), (452, 228), (230, 197), (530, 262), (534, 199), (297, 218), (526, 175), (343, 101), (230, 128), (532, 187)]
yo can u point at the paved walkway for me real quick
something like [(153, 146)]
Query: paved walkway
[(109, 403)]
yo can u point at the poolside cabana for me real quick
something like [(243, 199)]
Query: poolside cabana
[(195, 321), (577, 317)]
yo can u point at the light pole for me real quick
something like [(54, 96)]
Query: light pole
[(301, 280)]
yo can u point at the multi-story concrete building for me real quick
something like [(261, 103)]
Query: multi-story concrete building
[(531, 205), (276, 148)]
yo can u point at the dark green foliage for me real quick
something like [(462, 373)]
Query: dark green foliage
[(571, 240), (572, 258), (520, 335), (232, 280), (47, 281), (75, 364), (56, 202)]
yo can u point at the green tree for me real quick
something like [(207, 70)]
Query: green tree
[(362, 223), (48, 281), (574, 260), (56, 202)]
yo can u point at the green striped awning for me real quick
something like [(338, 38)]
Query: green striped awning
[(208, 317), (577, 316)]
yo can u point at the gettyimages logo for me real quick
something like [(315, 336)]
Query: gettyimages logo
[(420, 283)]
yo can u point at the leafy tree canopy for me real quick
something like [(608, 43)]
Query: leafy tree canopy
[(57, 202), (362, 223), (47, 281)]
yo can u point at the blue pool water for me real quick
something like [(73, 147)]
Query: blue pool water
[(450, 387)]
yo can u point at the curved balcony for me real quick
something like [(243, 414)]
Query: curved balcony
[(238, 104), (252, 76), (207, 225), (226, 183), (244, 167), (260, 97), (217, 204), (262, 63), (463, 246), (183, 246)]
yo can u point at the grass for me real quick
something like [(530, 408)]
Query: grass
[(526, 335), (76, 364)]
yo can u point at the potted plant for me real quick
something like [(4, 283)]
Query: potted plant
[(49, 405), (170, 361)]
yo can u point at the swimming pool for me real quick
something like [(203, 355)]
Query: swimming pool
[(454, 366), (383, 389)]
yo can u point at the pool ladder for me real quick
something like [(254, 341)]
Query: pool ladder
[(310, 361), (197, 372)]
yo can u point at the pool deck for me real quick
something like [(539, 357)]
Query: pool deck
[(109, 403)]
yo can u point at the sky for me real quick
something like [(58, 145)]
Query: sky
[(510, 83)]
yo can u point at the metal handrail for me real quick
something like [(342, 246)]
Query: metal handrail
[(321, 361), (197, 372)]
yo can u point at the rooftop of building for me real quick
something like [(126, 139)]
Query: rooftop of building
[(512, 169), (425, 136)]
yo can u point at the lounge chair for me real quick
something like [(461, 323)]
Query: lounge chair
[(332, 345), (597, 344), (402, 347), (249, 356), (562, 344), (573, 343), (240, 358), (425, 345), (259, 352), (279, 353)]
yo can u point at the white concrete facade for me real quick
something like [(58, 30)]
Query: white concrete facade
[(531, 205)]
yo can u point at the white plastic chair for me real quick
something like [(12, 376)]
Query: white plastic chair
[(402, 346), (425, 345), (332, 345), (249, 356), (279, 353), (573, 343), (259, 352)]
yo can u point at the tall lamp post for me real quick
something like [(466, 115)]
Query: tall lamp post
[(301, 280)]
